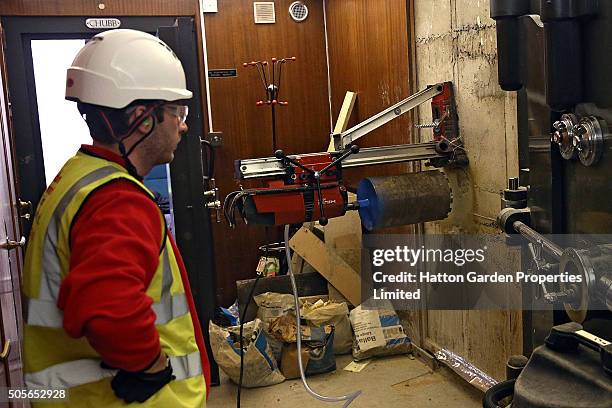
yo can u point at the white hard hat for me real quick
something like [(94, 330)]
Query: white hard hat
[(118, 67)]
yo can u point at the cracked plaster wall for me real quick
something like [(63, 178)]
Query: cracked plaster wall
[(456, 40)]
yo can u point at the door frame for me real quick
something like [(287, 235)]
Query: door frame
[(19, 32), (192, 220)]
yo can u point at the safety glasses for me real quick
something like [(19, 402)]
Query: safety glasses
[(180, 111)]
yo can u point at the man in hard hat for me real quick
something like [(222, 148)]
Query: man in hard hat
[(110, 316)]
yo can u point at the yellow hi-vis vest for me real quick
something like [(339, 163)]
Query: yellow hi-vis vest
[(54, 360)]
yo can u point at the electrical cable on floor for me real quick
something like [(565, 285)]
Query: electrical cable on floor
[(348, 398)]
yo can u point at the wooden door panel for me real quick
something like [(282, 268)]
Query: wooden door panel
[(369, 53), (303, 126)]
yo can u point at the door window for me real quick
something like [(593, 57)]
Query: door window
[(62, 129)]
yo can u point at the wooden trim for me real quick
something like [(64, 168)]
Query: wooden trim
[(93, 7)]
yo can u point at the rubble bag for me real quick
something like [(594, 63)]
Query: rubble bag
[(260, 367), (270, 306), (317, 355), (378, 331), (331, 313)]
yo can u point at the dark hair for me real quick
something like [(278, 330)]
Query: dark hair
[(99, 118)]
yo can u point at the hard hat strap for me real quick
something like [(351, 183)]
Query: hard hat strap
[(119, 139)]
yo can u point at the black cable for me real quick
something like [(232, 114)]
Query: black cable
[(233, 197), (227, 207), (242, 318)]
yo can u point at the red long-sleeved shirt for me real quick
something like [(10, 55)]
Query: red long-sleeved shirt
[(115, 242)]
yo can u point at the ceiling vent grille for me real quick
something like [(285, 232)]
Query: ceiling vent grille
[(264, 12)]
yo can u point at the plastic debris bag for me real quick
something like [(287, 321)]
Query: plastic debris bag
[(260, 367), (378, 331)]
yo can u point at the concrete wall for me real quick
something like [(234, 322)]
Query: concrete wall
[(456, 40)]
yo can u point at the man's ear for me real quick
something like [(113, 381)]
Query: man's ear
[(146, 125)]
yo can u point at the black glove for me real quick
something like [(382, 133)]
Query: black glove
[(139, 387)]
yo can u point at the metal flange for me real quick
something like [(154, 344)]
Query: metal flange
[(577, 262), (589, 139)]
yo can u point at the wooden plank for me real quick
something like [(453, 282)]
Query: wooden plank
[(333, 268), (308, 284), (343, 117)]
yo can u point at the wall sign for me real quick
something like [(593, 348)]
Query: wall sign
[(222, 73), (102, 23)]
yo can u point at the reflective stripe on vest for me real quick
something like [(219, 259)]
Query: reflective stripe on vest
[(51, 276), (46, 313), (79, 372)]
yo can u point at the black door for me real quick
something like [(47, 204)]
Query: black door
[(188, 181)]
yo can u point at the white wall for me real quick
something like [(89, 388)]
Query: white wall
[(61, 126)]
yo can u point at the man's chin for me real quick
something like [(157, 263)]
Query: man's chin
[(165, 160)]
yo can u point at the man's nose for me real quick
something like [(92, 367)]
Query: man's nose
[(183, 128)]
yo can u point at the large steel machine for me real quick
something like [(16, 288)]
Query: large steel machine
[(309, 187), (557, 54)]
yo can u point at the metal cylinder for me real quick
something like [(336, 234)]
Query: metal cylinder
[(536, 238), (405, 199), (514, 366)]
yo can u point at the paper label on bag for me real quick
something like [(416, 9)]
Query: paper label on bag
[(368, 331), (393, 332)]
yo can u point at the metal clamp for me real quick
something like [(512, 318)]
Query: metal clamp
[(10, 244)]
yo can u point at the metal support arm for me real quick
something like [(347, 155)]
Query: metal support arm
[(342, 140), (272, 166)]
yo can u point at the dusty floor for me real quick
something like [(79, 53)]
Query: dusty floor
[(385, 382)]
